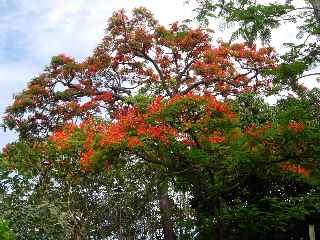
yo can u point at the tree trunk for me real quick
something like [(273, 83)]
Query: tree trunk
[(221, 223), (316, 9), (165, 212), (120, 231), (312, 234), (76, 229)]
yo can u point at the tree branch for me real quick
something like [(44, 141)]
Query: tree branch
[(162, 79)]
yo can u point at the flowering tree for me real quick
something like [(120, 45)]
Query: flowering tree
[(192, 112)]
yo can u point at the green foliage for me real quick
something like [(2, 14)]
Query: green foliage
[(56, 200), (290, 71), (5, 232), (252, 109), (140, 100), (256, 20)]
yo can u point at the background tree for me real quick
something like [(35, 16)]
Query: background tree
[(59, 201), (5, 232), (256, 20)]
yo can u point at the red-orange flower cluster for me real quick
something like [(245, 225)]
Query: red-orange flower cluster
[(287, 166), (131, 126), (216, 139), (296, 127), (86, 161), (134, 142), (107, 96), (61, 138), (256, 132)]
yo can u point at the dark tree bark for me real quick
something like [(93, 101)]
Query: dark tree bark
[(164, 204), (316, 9), (76, 231)]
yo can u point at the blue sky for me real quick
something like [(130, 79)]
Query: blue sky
[(31, 31)]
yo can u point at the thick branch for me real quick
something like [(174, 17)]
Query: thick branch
[(148, 158), (162, 79)]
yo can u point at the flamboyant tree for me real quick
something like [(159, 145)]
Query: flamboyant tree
[(190, 111)]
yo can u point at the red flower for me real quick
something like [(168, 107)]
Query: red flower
[(107, 97), (60, 139), (216, 139), (114, 134), (296, 127), (88, 105), (155, 106), (86, 161), (287, 166), (134, 142)]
